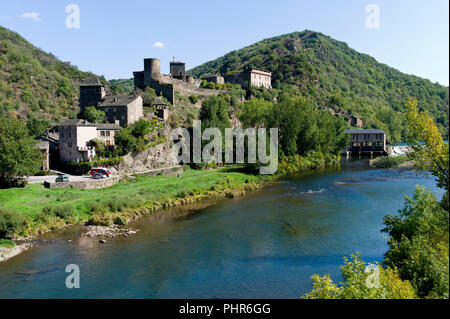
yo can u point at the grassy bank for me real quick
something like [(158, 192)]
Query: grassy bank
[(35, 209), (389, 161)]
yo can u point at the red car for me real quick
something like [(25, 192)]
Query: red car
[(103, 171)]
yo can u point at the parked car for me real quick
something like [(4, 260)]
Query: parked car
[(99, 176), (100, 170), (62, 179)]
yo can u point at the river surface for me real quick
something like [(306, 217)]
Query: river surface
[(266, 244)]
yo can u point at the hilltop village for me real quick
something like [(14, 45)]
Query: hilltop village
[(71, 140)]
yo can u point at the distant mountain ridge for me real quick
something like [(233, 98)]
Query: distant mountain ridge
[(35, 84), (333, 75)]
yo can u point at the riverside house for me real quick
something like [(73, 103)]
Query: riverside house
[(369, 141), (75, 138)]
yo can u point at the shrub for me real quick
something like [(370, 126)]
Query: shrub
[(100, 219), (6, 243), (193, 99), (62, 212), (10, 223), (118, 220)]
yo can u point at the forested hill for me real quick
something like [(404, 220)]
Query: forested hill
[(332, 75), (35, 84)]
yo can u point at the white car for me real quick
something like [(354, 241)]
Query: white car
[(99, 176)]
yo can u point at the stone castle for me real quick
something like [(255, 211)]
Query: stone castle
[(166, 85), (185, 85)]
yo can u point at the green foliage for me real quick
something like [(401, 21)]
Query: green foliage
[(10, 223), (389, 161), (122, 86), (193, 99), (34, 84), (138, 137), (429, 149), (361, 284), (419, 244), (328, 73), (125, 142), (37, 127), (100, 148), (19, 155), (148, 95), (63, 212), (302, 128), (94, 115), (214, 113), (6, 243)]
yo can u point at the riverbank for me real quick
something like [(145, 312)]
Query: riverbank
[(37, 210), (10, 252)]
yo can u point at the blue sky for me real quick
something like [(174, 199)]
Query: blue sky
[(115, 36)]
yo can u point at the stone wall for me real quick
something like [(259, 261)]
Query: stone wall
[(155, 157), (86, 184)]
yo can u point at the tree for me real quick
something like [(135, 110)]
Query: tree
[(429, 149), (419, 244), (419, 235), (377, 283), (37, 127), (214, 113), (19, 155), (141, 128), (125, 142), (93, 115)]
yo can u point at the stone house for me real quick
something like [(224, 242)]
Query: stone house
[(48, 145), (74, 140), (124, 109), (251, 77), (92, 92), (106, 132), (162, 110)]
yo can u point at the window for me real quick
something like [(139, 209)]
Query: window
[(70, 134), (108, 133), (102, 133), (69, 144)]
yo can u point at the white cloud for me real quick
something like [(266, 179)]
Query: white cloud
[(31, 15), (158, 45)]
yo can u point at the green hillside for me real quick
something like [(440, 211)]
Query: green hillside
[(332, 75), (35, 84)]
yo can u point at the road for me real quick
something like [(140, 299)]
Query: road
[(51, 178)]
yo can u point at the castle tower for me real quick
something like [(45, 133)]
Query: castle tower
[(152, 71), (92, 92), (178, 70)]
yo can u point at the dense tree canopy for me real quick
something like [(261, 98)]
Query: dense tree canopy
[(19, 155), (329, 74)]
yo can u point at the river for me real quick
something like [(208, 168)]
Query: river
[(266, 244)]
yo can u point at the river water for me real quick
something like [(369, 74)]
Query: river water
[(266, 244)]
